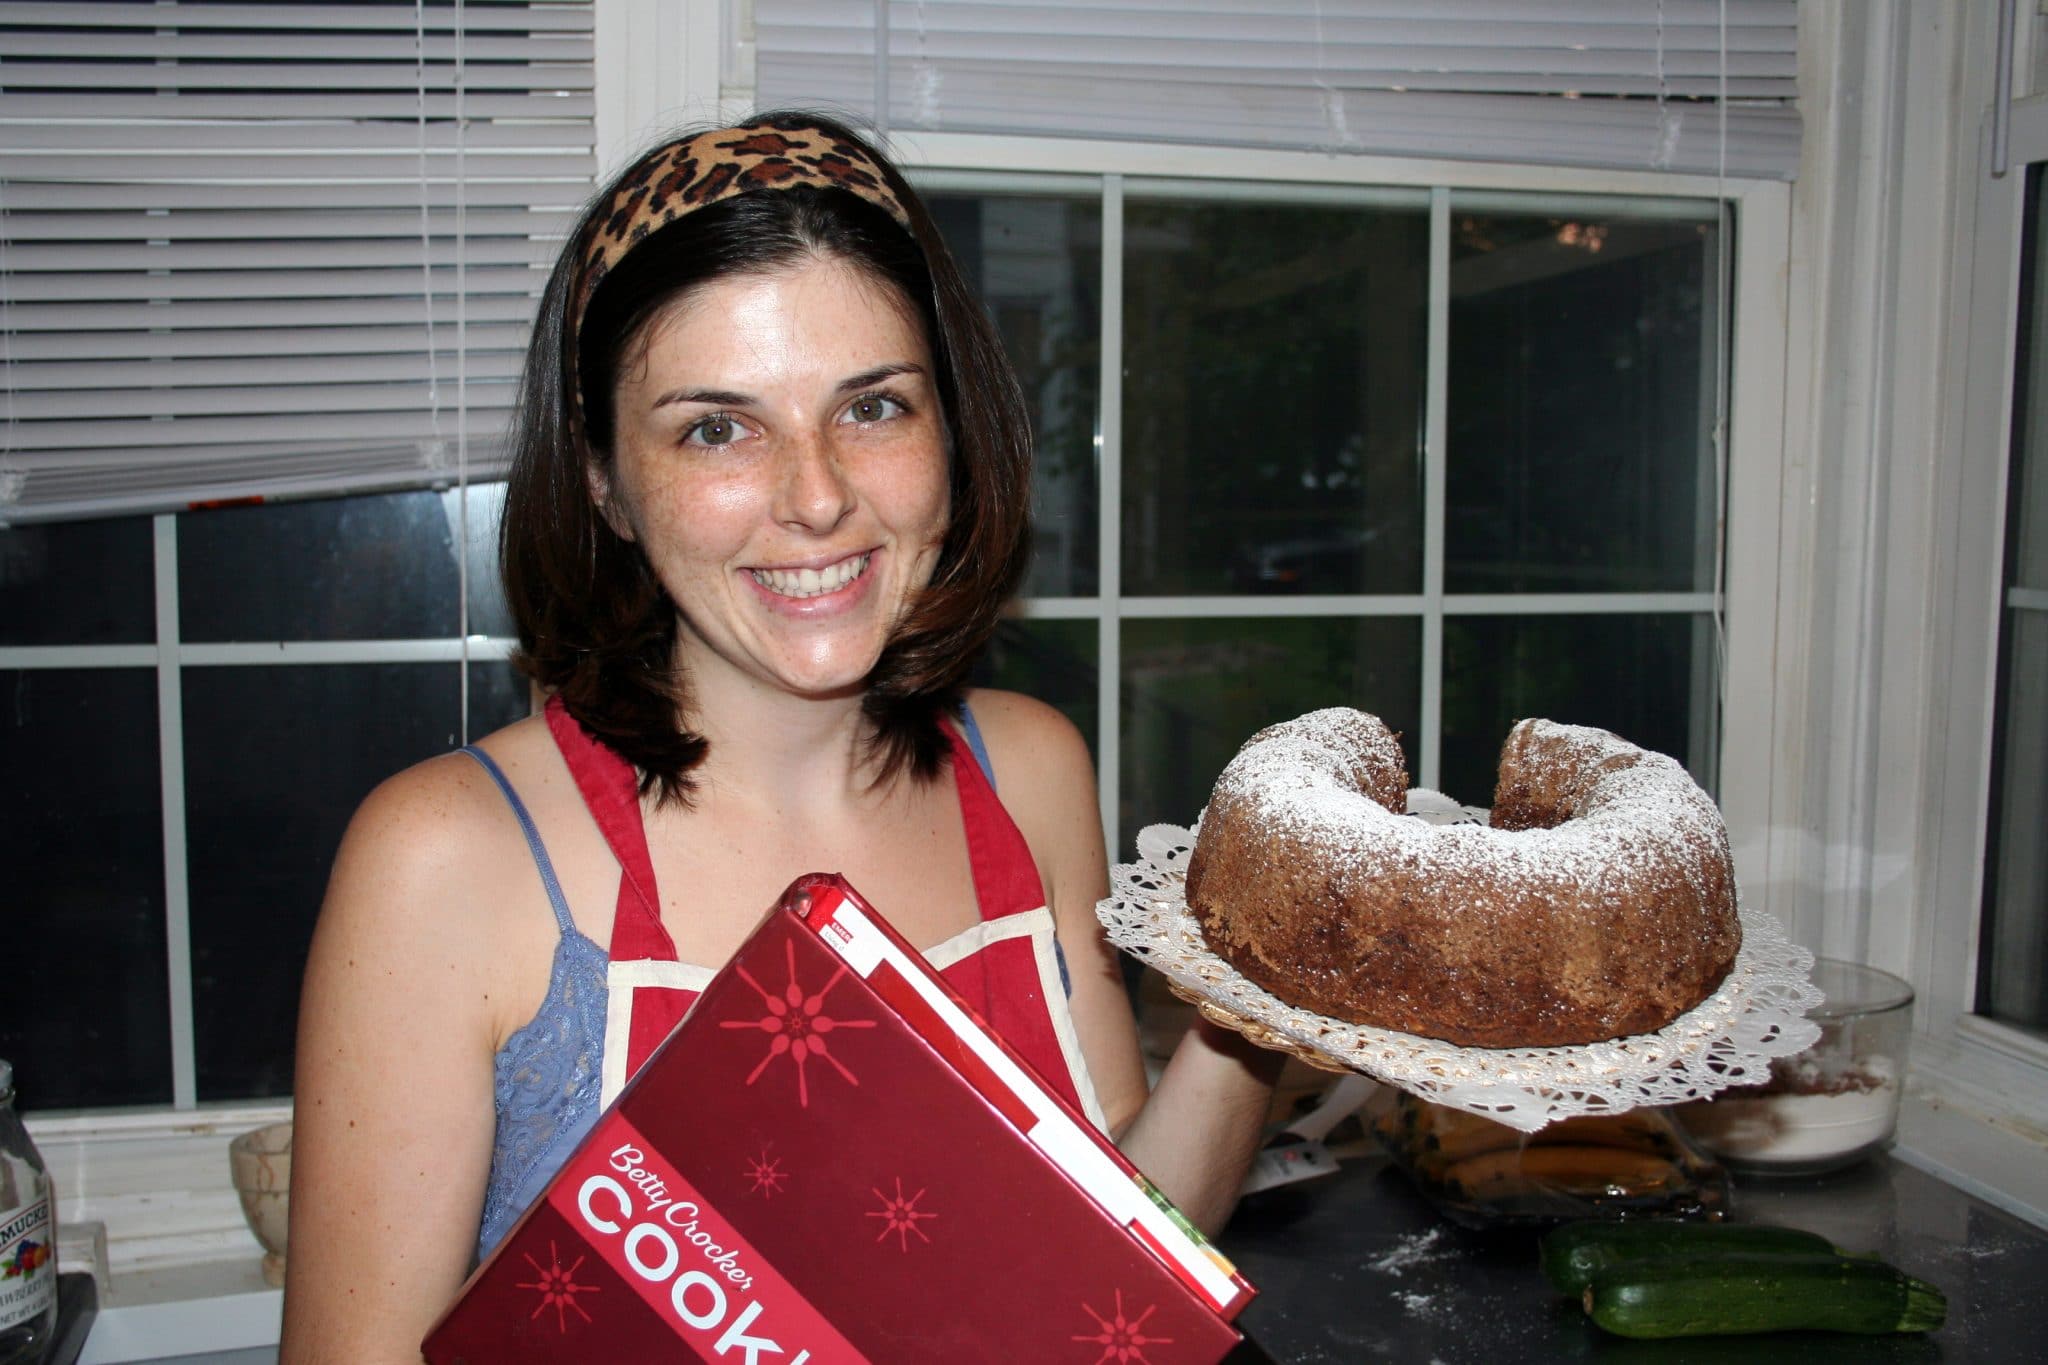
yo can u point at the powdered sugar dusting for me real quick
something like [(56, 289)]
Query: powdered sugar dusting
[(1728, 1039), (1416, 1249), (1635, 811), (1419, 1305)]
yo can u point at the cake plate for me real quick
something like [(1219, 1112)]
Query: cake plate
[(1728, 1039)]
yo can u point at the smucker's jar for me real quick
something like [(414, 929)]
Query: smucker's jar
[(28, 1237)]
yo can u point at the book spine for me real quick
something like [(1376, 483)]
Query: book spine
[(861, 939)]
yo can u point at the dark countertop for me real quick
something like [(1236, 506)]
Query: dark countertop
[(1358, 1266)]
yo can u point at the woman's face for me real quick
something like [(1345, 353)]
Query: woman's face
[(780, 457)]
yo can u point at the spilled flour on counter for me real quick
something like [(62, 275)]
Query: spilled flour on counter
[(1416, 1249), (1422, 1306)]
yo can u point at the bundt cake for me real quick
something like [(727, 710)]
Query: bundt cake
[(1599, 902)]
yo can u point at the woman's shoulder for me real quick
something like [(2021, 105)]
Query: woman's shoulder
[(1028, 741), (440, 828), (447, 797), (433, 906), (1043, 772)]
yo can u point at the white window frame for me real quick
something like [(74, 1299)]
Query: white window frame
[(1991, 1066), (1760, 228)]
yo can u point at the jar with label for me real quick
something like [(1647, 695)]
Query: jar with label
[(28, 1238)]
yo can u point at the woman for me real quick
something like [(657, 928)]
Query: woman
[(767, 501)]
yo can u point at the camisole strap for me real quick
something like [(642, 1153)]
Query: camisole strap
[(971, 728), (563, 920)]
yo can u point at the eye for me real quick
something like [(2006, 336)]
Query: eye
[(718, 429), (874, 407)]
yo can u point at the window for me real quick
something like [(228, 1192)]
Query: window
[(1443, 455), (1981, 1033), (188, 732), (2012, 967), (247, 253)]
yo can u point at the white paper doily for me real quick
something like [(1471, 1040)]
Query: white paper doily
[(1728, 1039)]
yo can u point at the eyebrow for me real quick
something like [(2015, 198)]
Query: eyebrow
[(720, 398), (866, 378), (727, 398)]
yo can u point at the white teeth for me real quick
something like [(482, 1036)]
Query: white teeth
[(811, 582)]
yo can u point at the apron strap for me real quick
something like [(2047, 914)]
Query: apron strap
[(1005, 875), (1005, 882), (611, 790)]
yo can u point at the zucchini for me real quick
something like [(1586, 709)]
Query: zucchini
[(1572, 1253), (1782, 1292)]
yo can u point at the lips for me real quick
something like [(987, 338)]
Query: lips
[(801, 583)]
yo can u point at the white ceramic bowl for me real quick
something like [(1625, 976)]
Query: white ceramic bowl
[(260, 1162)]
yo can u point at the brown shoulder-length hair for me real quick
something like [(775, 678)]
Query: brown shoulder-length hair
[(595, 626)]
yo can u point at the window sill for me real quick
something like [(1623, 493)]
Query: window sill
[(1998, 1162), (145, 1202), (202, 1308)]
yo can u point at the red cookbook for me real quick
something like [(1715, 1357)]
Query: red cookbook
[(831, 1160)]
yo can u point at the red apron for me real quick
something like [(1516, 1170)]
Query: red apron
[(1005, 966)]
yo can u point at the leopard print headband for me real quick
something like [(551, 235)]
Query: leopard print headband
[(675, 179)]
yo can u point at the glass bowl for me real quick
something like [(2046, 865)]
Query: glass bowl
[(1831, 1105)]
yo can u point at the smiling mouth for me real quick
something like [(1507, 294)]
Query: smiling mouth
[(811, 582)]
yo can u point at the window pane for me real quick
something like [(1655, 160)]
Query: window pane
[(1273, 397), (381, 566), (2013, 985), (1037, 264), (1054, 661), (277, 757), (85, 1017), (2012, 981), (488, 614), (498, 695), (1647, 678), (2027, 487), (1195, 690), (78, 583), (1580, 412)]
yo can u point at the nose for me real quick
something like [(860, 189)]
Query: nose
[(815, 494)]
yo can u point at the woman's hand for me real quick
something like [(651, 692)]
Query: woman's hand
[(1195, 1134), (393, 1123)]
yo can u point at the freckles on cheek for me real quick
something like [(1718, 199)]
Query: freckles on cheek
[(724, 497), (695, 505)]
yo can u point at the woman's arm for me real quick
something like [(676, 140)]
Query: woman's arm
[(1197, 1131), (393, 1114)]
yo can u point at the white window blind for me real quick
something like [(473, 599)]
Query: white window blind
[(1634, 84), (265, 250)]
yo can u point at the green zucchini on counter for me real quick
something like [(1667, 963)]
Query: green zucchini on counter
[(1741, 1292), (1665, 1278), (1572, 1252)]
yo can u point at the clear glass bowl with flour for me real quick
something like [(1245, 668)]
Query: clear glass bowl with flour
[(1831, 1105)]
